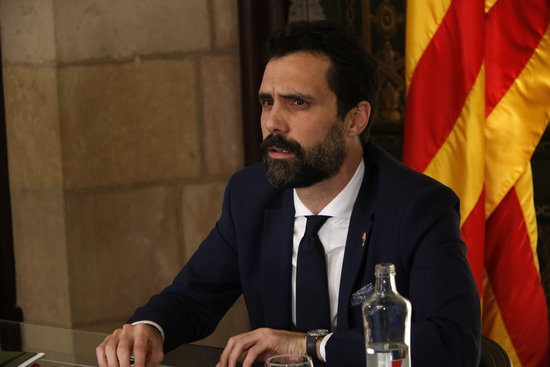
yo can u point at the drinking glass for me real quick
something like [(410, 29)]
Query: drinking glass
[(289, 360)]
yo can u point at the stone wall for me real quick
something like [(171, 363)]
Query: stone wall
[(124, 124)]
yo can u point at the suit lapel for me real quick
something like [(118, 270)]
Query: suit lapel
[(357, 242), (276, 261)]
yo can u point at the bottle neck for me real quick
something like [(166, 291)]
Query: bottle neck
[(385, 283)]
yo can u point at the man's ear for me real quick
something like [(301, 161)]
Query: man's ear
[(358, 118)]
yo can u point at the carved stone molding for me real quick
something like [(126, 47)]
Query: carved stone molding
[(543, 148), (543, 211), (383, 36), (305, 10), (543, 251)]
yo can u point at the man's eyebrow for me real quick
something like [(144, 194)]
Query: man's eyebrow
[(304, 96), (264, 96)]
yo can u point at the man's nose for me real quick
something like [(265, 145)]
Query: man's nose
[(275, 120)]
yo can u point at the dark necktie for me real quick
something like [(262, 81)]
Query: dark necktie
[(312, 300)]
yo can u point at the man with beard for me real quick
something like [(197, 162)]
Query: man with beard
[(317, 94)]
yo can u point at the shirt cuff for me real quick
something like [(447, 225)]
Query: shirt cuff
[(322, 351), (152, 323)]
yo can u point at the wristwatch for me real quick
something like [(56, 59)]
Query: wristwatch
[(311, 342)]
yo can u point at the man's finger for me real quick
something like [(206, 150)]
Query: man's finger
[(123, 353), (241, 347), (252, 354), (100, 354), (140, 352), (224, 357), (111, 351), (235, 347), (155, 357)]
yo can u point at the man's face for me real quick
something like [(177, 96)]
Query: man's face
[(304, 141)]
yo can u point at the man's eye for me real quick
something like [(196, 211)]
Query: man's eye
[(299, 102), (266, 102)]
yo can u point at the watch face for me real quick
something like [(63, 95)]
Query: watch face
[(317, 332)]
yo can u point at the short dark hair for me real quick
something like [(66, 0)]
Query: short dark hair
[(352, 75)]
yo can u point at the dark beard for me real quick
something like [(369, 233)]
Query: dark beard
[(307, 167)]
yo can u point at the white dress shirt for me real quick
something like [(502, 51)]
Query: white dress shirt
[(333, 235)]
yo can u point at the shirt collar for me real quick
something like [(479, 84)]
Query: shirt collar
[(342, 205)]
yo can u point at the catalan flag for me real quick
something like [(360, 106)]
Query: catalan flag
[(478, 101)]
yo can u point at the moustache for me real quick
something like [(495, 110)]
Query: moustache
[(278, 141)]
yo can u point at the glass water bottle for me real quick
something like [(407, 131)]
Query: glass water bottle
[(387, 322)]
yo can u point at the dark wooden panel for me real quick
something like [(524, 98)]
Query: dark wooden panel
[(8, 308), (383, 33), (541, 184), (258, 20)]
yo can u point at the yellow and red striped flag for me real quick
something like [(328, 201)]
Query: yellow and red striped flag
[(478, 101)]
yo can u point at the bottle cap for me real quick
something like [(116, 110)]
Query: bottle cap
[(384, 269)]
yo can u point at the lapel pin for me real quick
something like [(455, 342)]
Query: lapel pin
[(363, 239)]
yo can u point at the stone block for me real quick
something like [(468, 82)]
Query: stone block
[(226, 23), (27, 31), (201, 208), (41, 256), (221, 96), (32, 122), (122, 250), (173, 26), (94, 29), (128, 123)]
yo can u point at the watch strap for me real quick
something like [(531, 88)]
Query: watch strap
[(311, 346), (311, 342)]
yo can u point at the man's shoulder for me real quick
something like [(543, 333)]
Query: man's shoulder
[(251, 180), (395, 176), (249, 191), (251, 176), (253, 172)]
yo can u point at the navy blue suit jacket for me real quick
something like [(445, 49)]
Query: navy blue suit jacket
[(410, 220)]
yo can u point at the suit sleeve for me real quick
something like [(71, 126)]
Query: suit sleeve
[(447, 321), (191, 307), (446, 325)]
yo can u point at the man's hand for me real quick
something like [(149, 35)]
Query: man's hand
[(261, 344), (143, 341)]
